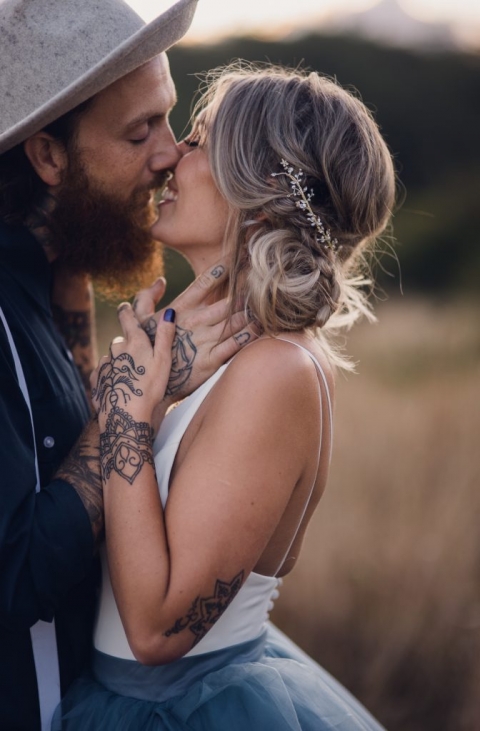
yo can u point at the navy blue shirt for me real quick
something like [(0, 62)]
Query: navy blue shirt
[(46, 543)]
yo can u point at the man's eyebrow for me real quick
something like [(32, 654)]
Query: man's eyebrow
[(148, 116)]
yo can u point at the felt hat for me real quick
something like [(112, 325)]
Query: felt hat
[(55, 54)]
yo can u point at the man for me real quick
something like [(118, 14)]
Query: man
[(84, 141)]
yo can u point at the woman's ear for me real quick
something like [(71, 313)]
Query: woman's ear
[(47, 156)]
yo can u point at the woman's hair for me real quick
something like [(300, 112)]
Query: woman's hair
[(20, 186), (254, 119)]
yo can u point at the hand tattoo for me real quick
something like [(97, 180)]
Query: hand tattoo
[(205, 611), (116, 378), (184, 353), (125, 445), (150, 327)]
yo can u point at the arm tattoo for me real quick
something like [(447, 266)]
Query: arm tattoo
[(205, 611), (117, 379), (76, 328), (184, 353), (81, 469), (125, 445)]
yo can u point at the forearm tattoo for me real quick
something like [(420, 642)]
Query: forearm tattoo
[(184, 353), (116, 381), (81, 469), (205, 611), (125, 445)]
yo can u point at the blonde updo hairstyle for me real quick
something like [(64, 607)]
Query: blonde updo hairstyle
[(254, 118)]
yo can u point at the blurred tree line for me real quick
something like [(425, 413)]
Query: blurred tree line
[(428, 107)]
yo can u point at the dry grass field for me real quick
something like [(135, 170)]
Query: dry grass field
[(386, 594)]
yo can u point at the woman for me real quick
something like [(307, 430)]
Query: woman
[(289, 173)]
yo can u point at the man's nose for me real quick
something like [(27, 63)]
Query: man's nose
[(167, 153)]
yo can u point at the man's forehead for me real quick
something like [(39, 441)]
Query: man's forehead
[(144, 93)]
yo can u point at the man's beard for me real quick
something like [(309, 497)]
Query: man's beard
[(95, 233)]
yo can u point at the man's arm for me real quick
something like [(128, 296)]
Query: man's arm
[(46, 544), (81, 470)]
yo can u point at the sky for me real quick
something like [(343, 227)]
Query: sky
[(217, 18)]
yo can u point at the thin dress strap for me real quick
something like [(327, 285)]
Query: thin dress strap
[(330, 416), (327, 391)]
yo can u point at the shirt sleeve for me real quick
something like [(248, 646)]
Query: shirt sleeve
[(46, 541)]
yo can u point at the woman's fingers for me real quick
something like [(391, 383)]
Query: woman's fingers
[(165, 335), (147, 299), (197, 293)]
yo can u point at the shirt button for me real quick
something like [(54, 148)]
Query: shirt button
[(49, 442)]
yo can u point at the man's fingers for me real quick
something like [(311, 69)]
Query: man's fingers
[(146, 300), (197, 293), (130, 326)]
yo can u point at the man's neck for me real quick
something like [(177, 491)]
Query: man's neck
[(37, 223)]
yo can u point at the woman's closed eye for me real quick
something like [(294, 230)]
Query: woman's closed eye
[(192, 141)]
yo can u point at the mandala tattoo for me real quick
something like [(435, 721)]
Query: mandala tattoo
[(205, 611), (117, 379), (125, 445), (184, 353)]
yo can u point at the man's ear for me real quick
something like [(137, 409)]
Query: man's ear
[(47, 156)]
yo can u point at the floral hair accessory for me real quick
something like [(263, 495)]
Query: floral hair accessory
[(304, 197)]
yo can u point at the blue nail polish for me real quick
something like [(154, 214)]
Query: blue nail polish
[(169, 315)]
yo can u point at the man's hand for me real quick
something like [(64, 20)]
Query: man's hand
[(205, 337)]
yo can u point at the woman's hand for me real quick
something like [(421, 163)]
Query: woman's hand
[(205, 336), (134, 377)]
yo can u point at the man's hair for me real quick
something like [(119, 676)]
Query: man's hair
[(20, 186)]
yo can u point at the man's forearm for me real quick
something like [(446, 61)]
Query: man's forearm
[(81, 469)]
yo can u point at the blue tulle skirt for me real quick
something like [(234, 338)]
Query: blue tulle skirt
[(267, 684)]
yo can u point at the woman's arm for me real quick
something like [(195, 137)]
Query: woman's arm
[(174, 575)]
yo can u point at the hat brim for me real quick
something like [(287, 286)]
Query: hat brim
[(151, 40)]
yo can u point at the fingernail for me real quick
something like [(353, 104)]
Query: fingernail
[(123, 306), (169, 315)]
